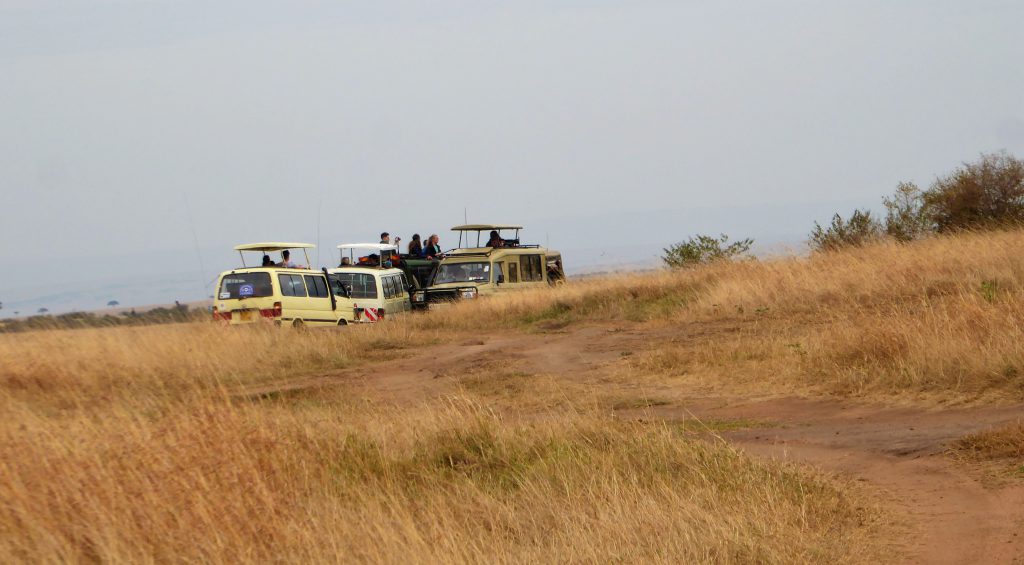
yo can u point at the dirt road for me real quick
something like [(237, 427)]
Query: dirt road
[(954, 514)]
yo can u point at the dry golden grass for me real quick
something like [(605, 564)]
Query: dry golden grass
[(129, 444), (1003, 443), (156, 363), (324, 475), (938, 320)]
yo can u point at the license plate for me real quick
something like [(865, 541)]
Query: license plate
[(246, 315)]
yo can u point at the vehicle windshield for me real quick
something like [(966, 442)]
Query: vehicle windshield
[(463, 272), (245, 285)]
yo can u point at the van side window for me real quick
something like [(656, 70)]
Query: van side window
[(389, 286), (405, 284), (532, 270), (513, 272), (291, 285), (317, 286)]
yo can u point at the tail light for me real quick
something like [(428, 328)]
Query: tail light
[(380, 313), (219, 316), (274, 312)]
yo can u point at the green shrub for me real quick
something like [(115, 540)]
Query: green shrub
[(704, 249), (860, 229), (906, 218), (986, 193)]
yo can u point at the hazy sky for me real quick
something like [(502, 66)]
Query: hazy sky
[(610, 129)]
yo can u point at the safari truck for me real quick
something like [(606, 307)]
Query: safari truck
[(485, 266), (375, 285), (281, 293)]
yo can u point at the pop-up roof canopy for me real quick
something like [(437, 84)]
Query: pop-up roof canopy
[(273, 246), (481, 228), (371, 246), (486, 227), (381, 249)]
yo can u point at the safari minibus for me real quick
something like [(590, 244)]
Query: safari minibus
[(281, 293), (470, 272), (375, 285)]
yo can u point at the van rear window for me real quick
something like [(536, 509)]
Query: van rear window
[(363, 285), (245, 285)]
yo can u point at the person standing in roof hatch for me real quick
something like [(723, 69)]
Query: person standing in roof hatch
[(495, 240), (433, 248), (286, 261), (385, 238), (415, 246)]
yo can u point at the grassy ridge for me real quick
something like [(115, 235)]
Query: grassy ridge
[(938, 319)]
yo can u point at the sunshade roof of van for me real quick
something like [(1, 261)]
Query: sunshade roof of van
[(268, 246), (486, 227), (376, 246)]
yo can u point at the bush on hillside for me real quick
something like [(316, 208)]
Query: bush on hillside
[(988, 193), (984, 194), (905, 215), (860, 229), (704, 249)]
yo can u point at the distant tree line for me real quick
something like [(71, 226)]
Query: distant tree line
[(73, 320)]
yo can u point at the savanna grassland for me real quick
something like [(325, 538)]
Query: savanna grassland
[(149, 444)]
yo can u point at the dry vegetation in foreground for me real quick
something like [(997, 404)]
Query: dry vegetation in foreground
[(938, 320), (129, 444), (329, 475), (1003, 445)]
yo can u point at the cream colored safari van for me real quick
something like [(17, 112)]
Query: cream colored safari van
[(376, 287), (278, 291), (469, 272)]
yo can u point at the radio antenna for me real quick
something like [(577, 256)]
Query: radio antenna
[(195, 239), (319, 206)]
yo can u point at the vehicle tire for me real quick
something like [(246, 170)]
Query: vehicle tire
[(299, 325), (342, 323)]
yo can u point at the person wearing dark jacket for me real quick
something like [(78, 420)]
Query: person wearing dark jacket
[(433, 248), (495, 240), (415, 246)]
